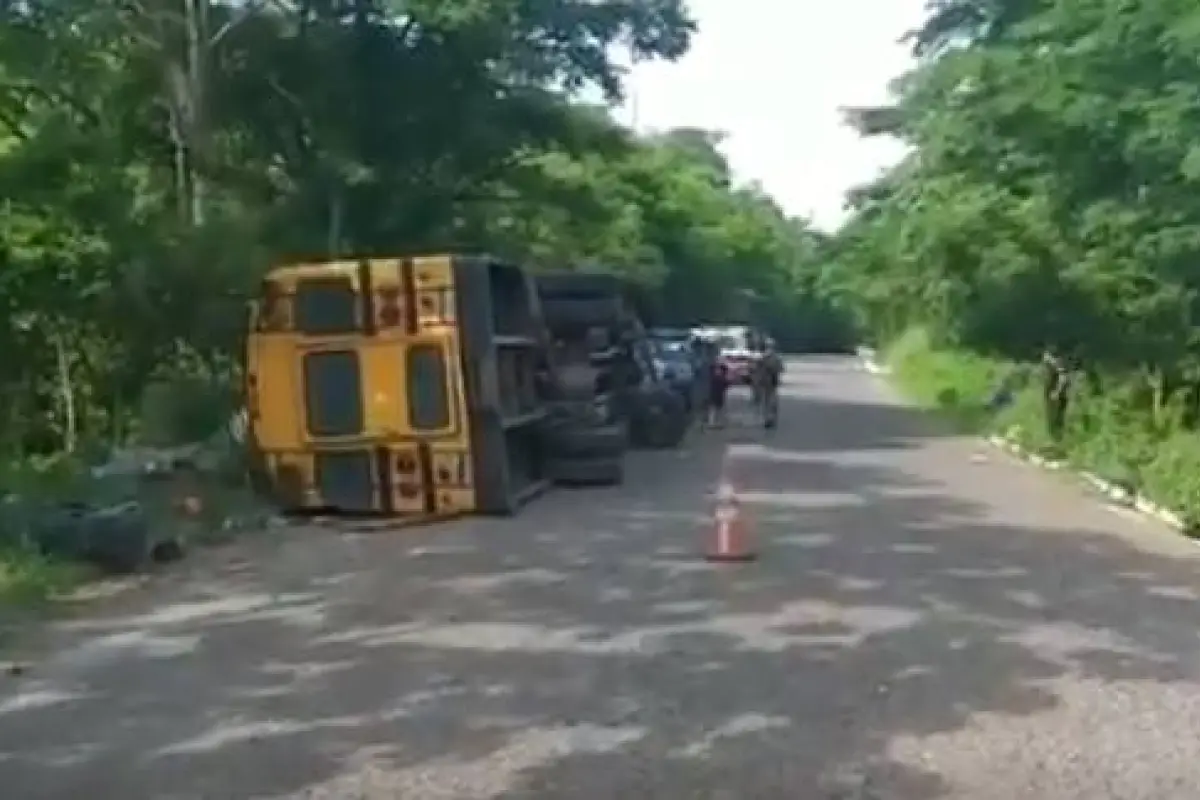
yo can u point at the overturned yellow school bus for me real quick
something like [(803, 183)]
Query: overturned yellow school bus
[(398, 386)]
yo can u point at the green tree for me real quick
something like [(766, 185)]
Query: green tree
[(155, 159), (1049, 199)]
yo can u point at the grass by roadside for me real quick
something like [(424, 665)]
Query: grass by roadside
[(957, 384), (1112, 434), (30, 586), (30, 580), (64, 524)]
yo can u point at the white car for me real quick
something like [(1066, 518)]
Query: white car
[(740, 348)]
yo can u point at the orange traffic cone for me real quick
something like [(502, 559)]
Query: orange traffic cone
[(730, 540)]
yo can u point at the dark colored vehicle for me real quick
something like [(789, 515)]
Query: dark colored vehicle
[(677, 364)]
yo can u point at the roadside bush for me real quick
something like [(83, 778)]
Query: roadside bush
[(1109, 432), (1172, 476), (64, 515), (188, 403), (26, 574), (959, 384), (1022, 421), (28, 577)]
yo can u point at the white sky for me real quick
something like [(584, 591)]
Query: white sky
[(772, 74)]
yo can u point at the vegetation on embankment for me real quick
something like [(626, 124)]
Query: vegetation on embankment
[(1051, 198), (1108, 433), (30, 579), (148, 184)]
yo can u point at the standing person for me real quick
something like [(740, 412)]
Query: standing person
[(700, 376), (718, 389), (768, 374), (1056, 387), (705, 361)]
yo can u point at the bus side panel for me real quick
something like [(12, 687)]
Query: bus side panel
[(292, 478), (434, 287), (416, 428), (397, 374), (388, 377), (383, 378), (337, 479), (451, 491), (424, 288), (273, 394), (454, 479), (347, 480), (481, 391), (429, 464), (453, 468)]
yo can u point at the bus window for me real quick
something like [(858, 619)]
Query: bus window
[(326, 307), (428, 390), (333, 393)]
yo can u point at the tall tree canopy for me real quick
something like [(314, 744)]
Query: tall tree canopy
[(1049, 199), (156, 158), (1051, 193)]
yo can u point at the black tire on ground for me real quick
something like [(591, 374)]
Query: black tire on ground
[(118, 538), (684, 394), (592, 471), (660, 420), (670, 433), (577, 441)]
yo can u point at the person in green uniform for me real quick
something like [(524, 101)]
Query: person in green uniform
[(768, 374), (1056, 389)]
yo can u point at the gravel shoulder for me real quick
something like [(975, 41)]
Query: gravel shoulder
[(928, 619)]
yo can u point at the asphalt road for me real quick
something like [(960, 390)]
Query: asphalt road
[(928, 619)]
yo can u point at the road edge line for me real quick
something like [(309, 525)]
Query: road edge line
[(1116, 495)]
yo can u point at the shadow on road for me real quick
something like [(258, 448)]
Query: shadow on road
[(584, 651)]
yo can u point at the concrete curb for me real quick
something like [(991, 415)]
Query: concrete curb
[(1117, 495)]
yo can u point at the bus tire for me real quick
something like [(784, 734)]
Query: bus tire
[(669, 433), (589, 471), (660, 420), (576, 441)]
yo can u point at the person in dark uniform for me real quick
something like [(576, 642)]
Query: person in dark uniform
[(718, 390), (768, 375), (703, 368), (1056, 387)]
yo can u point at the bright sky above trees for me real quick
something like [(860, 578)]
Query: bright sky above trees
[(773, 74)]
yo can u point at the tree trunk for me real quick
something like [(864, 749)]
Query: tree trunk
[(66, 395), (196, 33)]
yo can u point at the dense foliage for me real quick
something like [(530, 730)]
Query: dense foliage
[(156, 158), (1049, 199)]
